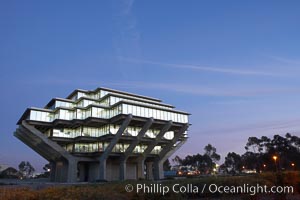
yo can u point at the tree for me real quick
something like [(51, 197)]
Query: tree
[(47, 167), (249, 160), (264, 141), (255, 143), (233, 161), (260, 152), (211, 152), (177, 160), (206, 164), (167, 165), (26, 169), (9, 172)]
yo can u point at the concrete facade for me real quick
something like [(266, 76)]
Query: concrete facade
[(104, 134)]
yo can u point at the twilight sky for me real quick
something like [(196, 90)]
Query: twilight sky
[(234, 65)]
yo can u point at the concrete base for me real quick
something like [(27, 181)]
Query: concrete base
[(113, 170), (149, 170), (68, 167), (89, 171)]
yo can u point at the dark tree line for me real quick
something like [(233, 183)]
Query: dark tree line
[(267, 154), (205, 163), (259, 156), (26, 169)]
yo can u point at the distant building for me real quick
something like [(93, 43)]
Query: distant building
[(10, 172), (3, 167), (104, 134)]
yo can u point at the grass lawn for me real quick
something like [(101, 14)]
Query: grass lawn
[(154, 190)]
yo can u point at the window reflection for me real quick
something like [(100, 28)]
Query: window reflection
[(83, 108), (156, 150), (101, 146), (105, 113)]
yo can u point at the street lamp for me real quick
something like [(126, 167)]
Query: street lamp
[(215, 169), (293, 166), (264, 165), (275, 158)]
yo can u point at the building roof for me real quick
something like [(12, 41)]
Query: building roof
[(112, 90), (3, 167)]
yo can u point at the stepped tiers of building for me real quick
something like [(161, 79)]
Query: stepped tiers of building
[(104, 134)]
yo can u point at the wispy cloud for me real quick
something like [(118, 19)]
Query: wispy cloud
[(232, 102), (235, 137), (286, 60), (126, 35), (266, 127), (204, 68), (127, 6), (221, 91)]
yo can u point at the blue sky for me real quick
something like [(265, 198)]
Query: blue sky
[(234, 65)]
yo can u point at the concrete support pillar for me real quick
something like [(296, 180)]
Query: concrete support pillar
[(140, 169), (158, 172), (149, 166), (167, 151), (151, 146), (123, 169), (82, 171), (138, 138), (129, 150), (102, 166), (72, 171), (52, 171), (61, 171), (109, 148), (65, 165)]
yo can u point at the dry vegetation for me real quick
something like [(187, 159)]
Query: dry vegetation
[(115, 190)]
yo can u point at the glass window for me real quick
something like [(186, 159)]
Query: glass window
[(142, 111), (69, 115), (88, 113), (38, 116), (130, 109), (151, 112), (105, 145), (138, 111), (100, 146), (154, 113), (145, 112), (112, 100), (158, 114), (79, 114), (134, 110), (119, 109), (80, 94), (185, 119), (165, 115), (125, 109)]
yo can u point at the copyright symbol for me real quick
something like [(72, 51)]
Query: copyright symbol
[(129, 188)]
